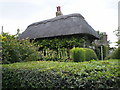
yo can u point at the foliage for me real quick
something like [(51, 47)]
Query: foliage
[(90, 54), (98, 52), (63, 42), (78, 54), (54, 55), (101, 42), (116, 54), (117, 32), (60, 75), (0, 48), (105, 51), (14, 50), (82, 54), (118, 43)]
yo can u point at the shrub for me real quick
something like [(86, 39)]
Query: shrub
[(116, 54), (92, 75), (14, 50), (83, 54), (78, 54), (90, 54)]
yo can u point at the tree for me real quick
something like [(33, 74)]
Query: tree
[(117, 33)]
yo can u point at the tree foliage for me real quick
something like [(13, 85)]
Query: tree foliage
[(14, 50)]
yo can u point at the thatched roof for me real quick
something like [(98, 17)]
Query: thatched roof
[(59, 26)]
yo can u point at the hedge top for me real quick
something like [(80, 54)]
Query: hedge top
[(64, 66)]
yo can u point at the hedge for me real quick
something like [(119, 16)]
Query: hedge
[(78, 54), (82, 54), (48, 74), (90, 54)]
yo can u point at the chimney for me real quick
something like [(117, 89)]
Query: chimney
[(58, 13), (104, 38)]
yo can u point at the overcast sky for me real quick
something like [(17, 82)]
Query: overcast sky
[(102, 15)]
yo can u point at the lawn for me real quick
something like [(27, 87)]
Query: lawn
[(52, 74)]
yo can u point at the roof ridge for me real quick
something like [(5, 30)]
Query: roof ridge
[(57, 18)]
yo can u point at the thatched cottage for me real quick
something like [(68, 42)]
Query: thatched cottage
[(61, 25)]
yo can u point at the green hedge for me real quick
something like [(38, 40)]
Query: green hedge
[(90, 54), (82, 54), (48, 74), (78, 54)]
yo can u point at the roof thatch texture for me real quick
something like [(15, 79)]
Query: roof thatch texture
[(59, 26)]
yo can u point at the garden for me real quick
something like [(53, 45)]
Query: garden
[(62, 65)]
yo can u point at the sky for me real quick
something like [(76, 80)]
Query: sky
[(102, 15)]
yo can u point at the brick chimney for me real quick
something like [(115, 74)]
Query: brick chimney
[(58, 13)]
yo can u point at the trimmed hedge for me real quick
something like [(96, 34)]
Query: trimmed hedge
[(90, 54), (83, 54), (78, 54), (48, 74)]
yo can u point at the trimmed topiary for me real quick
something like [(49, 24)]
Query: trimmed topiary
[(82, 54), (90, 54), (78, 54)]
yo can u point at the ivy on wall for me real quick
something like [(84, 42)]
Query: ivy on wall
[(63, 42)]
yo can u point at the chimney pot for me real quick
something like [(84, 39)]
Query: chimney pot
[(58, 8), (58, 11)]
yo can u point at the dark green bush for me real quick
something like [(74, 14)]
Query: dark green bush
[(83, 54), (116, 54), (90, 54), (14, 50), (78, 54), (91, 75)]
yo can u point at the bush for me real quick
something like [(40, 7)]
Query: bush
[(14, 50), (78, 54), (92, 75), (83, 54), (116, 54), (90, 54)]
